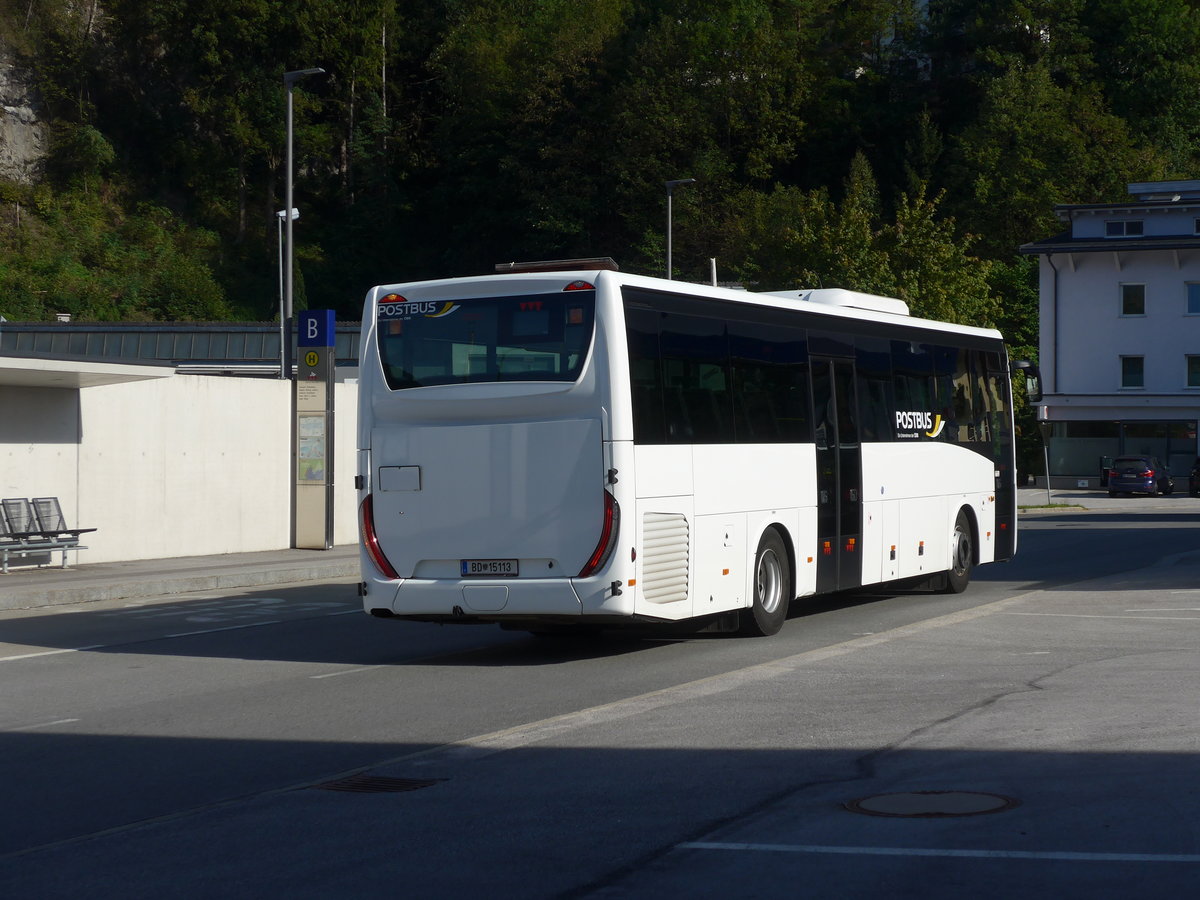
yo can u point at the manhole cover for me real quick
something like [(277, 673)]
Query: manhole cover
[(932, 804), (377, 784)]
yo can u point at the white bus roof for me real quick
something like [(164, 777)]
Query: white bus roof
[(834, 302)]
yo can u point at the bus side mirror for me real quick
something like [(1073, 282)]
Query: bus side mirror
[(1033, 379)]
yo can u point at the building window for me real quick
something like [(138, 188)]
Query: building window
[(1193, 298), (1193, 371), (1123, 228), (1133, 299), (1196, 226), (1133, 371)]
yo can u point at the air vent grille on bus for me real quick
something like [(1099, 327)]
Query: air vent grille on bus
[(664, 557)]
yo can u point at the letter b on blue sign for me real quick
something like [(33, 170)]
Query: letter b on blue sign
[(317, 328)]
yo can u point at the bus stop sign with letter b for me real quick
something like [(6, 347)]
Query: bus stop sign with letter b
[(312, 461), (318, 328)]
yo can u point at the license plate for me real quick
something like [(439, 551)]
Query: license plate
[(498, 568)]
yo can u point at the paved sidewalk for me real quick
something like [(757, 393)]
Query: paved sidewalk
[(1036, 499), (28, 587)]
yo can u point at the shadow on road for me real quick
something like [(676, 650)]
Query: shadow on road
[(156, 817)]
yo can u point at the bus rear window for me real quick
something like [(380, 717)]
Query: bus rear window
[(539, 337)]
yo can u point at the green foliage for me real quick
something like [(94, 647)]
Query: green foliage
[(887, 146), (933, 271), (1035, 144), (914, 255), (83, 253), (80, 153), (1147, 57)]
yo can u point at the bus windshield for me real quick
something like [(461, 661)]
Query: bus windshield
[(537, 337)]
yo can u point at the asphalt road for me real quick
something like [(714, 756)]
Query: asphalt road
[(184, 747)]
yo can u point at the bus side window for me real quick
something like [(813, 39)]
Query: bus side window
[(912, 365), (980, 397), (945, 360), (962, 426), (770, 383), (695, 359), (645, 376), (874, 367), (874, 406)]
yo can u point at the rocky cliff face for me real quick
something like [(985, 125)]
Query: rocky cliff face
[(23, 137)]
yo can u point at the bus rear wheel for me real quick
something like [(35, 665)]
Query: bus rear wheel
[(962, 555), (772, 588)]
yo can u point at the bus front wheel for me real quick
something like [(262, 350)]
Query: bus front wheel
[(772, 587), (962, 555)]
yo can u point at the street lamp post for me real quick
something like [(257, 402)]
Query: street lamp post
[(283, 373), (671, 185), (289, 81)]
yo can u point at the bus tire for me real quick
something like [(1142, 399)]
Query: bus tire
[(962, 555), (771, 587)]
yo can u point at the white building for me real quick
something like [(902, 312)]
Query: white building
[(1120, 331)]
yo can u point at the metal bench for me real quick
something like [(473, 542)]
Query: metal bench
[(50, 520), (35, 528)]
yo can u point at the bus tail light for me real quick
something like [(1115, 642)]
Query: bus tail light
[(371, 540), (608, 537)]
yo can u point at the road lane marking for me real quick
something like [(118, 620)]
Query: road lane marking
[(345, 672), (1153, 609), (1054, 855), (219, 610), (42, 725), (1095, 616), (51, 652), (180, 634), (161, 637)]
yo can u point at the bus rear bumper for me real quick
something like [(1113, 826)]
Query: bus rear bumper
[(472, 600)]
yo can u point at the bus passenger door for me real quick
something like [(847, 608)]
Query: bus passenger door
[(839, 476)]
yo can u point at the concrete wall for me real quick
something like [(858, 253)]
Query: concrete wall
[(39, 444), (180, 466)]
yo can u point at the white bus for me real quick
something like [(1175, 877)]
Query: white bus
[(566, 444)]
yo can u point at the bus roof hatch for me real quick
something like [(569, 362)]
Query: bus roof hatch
[(559, 265), (841, 297)]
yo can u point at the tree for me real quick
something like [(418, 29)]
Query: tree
[(933, 271), (796, 239), (1035, 144), (1147, 60), (713, 95)]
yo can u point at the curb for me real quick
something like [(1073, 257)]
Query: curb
[(31, 597)]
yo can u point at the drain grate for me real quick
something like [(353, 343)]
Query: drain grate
[(932, 804), (377, 784)]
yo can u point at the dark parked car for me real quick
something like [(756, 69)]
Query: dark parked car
[(1194, 479), (1139, 475)]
